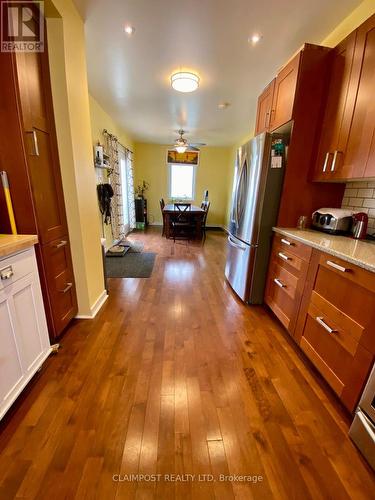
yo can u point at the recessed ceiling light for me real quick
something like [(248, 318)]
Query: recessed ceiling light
[(255, 38), (129, 30), (223, 105), (185, 81)]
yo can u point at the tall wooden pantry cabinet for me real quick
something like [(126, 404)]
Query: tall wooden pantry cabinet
[(29, 155)]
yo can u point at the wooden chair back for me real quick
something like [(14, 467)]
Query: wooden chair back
[(205, 205)]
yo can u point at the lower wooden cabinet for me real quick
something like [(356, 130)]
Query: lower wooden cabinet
[(286, 279), (328, 306), (24, 336)]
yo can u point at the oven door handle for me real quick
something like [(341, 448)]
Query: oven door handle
[(366, 425)]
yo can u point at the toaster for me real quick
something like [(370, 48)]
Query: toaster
[(332, 220)]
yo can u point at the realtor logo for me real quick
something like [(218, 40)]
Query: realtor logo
[(22, 26)]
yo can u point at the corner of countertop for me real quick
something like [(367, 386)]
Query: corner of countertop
[(14, 243)]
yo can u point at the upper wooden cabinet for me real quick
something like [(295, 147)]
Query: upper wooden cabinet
[(284, 93), (346, 147), (339, 110), (264, 109)]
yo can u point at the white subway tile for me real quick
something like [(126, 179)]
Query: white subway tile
[(351, 193), (345, 202), (365, 193), (357, 202), (368, 202), (371, 212), (360, 184), (371, 184)]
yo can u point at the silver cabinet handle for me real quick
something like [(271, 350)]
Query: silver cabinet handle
[(322, 323), (67, 288), (283, 256), (6, 273), (286, 242), (326, 162), (337, 266), (235, 245), (61, 244), (333, 166), (35, 143), (279, 283)]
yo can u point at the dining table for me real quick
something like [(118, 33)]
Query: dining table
[(195, 213)]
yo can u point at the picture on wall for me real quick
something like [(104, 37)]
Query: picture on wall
[(187, 158)]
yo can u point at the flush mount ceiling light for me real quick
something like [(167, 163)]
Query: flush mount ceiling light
[(129, 30), (185, 81), (255, 38)]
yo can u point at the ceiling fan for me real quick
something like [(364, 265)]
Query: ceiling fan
[(181, 144)]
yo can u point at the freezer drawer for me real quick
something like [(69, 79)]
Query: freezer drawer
[(240, 258), (362, 432)]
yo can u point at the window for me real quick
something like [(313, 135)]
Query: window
[(181, 181)]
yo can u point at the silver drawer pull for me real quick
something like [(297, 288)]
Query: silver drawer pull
[(322, 323), (283, 256), (61, 244), (67, 288), (337, 266), (6, 273), (286, 242), (279, 283)]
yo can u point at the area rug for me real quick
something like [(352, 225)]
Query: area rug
[(131, 265), (134, 245)]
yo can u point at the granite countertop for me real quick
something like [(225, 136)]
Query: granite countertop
[(12, 243), (358, 252)]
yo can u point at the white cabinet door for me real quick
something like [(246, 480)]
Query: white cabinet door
[(11, 371), (24, 341)]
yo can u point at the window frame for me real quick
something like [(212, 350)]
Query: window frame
[(170, 165)]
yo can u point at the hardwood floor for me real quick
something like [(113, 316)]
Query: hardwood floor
[(176, 376)]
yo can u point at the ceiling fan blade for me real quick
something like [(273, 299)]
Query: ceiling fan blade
[(192, 148), (197, 144)]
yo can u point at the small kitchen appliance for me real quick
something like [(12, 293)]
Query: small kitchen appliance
[(332, 220), (359, 229)]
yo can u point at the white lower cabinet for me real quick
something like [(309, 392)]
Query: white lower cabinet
[(24, 341)]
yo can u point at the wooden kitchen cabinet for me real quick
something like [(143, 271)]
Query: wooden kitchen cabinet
[(29, 155), (284, 93), (347, 143), (335, 324), (339, 109), (264, 109), (286, 279), (360, 154), (24, 335)]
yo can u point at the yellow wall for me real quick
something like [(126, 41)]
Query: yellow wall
[(212, 173), (350, 23), (100, 120), (72, 114)]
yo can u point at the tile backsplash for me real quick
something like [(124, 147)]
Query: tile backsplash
[(360, 197)]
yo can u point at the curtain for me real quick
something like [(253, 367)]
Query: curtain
[(130, 185), (118, 184), (117, 224)]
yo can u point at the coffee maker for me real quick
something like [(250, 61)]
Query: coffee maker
[(359, 227)]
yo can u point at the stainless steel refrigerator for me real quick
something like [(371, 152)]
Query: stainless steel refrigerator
[(257, 185)]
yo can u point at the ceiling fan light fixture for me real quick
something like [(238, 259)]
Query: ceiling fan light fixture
[(185, 81), (181, 149)]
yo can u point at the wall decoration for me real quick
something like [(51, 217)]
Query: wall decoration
[(187, 158)]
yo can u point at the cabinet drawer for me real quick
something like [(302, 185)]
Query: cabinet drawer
[(17, 266), (61, 285), (289, 260), (293, 246), (345, 372), (280, 294), (348, 271)]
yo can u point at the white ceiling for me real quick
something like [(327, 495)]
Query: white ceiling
[(129, 76)]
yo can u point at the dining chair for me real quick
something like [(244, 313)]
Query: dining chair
[(205, 205), (180, 223), (162, 205)]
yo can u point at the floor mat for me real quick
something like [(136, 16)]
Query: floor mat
[(131, 265)]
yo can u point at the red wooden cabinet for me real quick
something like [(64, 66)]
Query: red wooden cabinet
[(29, 154), (284, 94), (264, 109)]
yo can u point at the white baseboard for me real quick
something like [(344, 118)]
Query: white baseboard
[(95, 308)]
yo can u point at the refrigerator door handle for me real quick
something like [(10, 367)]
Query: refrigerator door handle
[(236, 245)]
